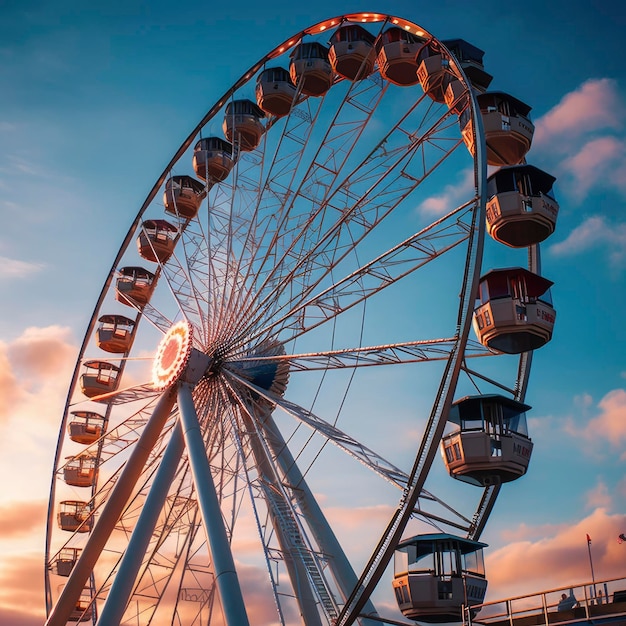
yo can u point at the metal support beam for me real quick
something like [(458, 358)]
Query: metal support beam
[(223, 563), (122, 587)]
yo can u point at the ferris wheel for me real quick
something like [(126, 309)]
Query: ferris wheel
[(284, 343)]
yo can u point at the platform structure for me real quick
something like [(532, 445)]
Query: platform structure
[(599, 602)]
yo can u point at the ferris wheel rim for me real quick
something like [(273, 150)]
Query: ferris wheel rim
[(480, 164)]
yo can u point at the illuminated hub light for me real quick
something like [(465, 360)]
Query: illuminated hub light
[(172, 355)]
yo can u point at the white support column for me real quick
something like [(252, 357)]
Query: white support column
[(111, 512), (223, 563), (122, 587)]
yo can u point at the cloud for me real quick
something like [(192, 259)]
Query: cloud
[(558, 558), (21, 518), (34, 371), (608, 426), (600, 163), (21, 591), (595, 232), (599, 497), (595, 105), (585, 131), (13, 268), (451, 197)]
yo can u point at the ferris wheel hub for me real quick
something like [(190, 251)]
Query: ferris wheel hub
[(176, 359)]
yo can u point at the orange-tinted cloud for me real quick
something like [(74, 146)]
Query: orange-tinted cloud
[(21, 591), (34, 370), (595, 232), (40, 352), (609, 425), (594, 106), (559, 558), (21, 518), (10, 391)]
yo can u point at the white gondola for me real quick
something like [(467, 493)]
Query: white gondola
[(183, 196), (115, 333), (99, 377), (514, 312), (242, 124), (156, 240), (521, 209), (438, 574), (507, 126), (396, 53), (310, 69), (80, 471), (352, 54), (65, 561), (75, 516), (490, 444), (82, 612), (213, 159), (86, 427), (275, 91), (134, 286)]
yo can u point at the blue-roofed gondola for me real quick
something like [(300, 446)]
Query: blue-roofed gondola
[(490, 444), (438, 574)]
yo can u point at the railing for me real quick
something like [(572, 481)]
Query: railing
[(597, 600)]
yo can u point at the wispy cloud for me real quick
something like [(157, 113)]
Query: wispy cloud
[(21, 518), (608, 426), (557, 557), (596, 105), (584, 139), (594, 232), (34, 370), (451, 196), (14, 268)]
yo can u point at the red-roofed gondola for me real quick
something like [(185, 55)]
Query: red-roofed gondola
[(100, 377), (134, 286), (86, 427), (514, 312), (115, 333)]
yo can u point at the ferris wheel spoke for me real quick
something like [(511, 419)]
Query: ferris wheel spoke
[(384, 179), (368, 280), (366, 356)]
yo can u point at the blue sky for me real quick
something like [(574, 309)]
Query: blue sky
[(94, 100)]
